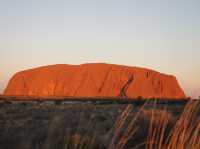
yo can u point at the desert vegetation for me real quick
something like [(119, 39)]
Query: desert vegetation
[(100, 125), (164, 130)]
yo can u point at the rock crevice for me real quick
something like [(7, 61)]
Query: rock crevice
[(123, 92)]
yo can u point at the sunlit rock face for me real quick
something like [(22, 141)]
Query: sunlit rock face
[(94, 80)]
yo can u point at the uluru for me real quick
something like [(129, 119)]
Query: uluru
[(94, 80)]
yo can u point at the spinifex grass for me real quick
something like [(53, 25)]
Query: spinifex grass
[(119, 138), (184, 134), (79, 141)]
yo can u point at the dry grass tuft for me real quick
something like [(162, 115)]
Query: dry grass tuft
[(119, 139), (78, 141), (185, 134)]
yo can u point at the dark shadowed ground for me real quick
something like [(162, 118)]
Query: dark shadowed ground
[(56, 124)]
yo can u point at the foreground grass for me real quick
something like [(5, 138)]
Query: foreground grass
[(183, 134)]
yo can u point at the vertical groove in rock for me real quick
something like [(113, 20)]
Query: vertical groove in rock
[(123, 92), (105, 79), (81, 82), (94, 83), (25, 87), (161, 88), (56, 83)]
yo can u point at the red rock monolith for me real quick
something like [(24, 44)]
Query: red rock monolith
[(94, 80)]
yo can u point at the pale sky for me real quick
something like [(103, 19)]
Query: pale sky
[(163, 35)]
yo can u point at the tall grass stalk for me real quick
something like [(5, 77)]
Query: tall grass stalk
[(184, 135), (130, 129)]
